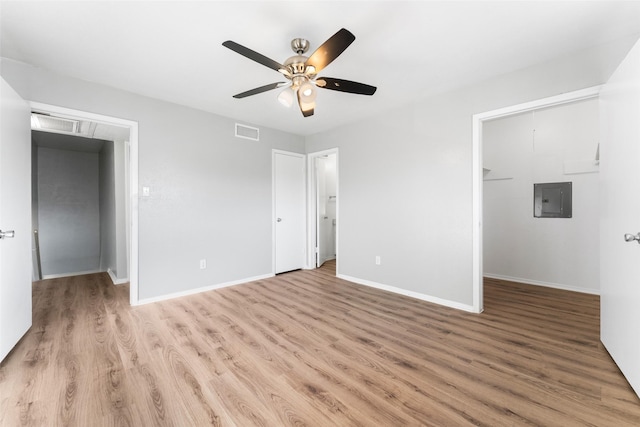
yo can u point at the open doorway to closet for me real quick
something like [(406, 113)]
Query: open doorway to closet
[(534, 160), (81, 195), (323, 207), (481, 171)]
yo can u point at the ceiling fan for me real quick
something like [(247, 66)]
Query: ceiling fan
[(302, 72)]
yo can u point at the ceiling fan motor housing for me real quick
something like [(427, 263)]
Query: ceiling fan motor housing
[(295, 64), (300, 46)]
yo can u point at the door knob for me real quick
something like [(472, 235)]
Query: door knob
[(279, 220), (7, 234), (631, 237)]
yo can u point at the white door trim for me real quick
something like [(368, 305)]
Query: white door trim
[(478, 120), (133, 178), (312, 200)]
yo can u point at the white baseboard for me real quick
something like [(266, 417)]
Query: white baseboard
[(417, 295), (80, 273), (115, 280), (202, 289), (546, 284)]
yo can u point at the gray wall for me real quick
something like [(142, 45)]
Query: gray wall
[(210, 191), (68, 211)]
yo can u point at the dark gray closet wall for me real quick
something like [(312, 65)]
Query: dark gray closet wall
[(68, 198)]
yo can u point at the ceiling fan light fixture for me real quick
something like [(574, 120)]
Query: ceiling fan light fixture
[(307, 92), (286, 97), (307, 108)]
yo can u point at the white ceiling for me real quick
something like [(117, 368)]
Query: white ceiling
[(173, 50)]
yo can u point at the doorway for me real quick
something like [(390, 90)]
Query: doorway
[(119, 257), (288, 211), (554, 241), (478, 174), (326, 200), (323, 202)]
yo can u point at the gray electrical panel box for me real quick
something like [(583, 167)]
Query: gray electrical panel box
[(552, 200)]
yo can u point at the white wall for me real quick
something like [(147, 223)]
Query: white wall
[(108, 250), (210, 192), (418, 159), (121, 190), (537, 147), (113, 224)]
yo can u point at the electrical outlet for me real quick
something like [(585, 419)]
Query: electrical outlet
[(377, 259), (203, 264)]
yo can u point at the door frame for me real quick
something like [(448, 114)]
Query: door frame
[(477, 147), (312, 204), (133, 178)]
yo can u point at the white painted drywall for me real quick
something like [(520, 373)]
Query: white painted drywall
[(108, 253), (530, 148), (210, 192), (113, 255), (121, 192)]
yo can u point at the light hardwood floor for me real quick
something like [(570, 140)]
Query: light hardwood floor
[(306, 348)]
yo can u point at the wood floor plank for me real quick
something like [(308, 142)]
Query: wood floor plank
[(308, 349)]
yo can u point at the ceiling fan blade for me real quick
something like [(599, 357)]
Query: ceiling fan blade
[(307, 108), (259, 90), (345, 86), (253, 55), (330, 50)]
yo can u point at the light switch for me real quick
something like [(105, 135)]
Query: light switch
[(145, 191)]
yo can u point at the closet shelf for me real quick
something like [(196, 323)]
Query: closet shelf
[(488, 175)]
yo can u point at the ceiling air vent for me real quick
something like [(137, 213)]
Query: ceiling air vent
[(247, 132), (53, 124)]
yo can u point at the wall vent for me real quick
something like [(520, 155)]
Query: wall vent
[(247, 132), (54, 124)]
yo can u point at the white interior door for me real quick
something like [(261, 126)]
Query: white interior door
[(15, 218), (289, 211), (620, 214)]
